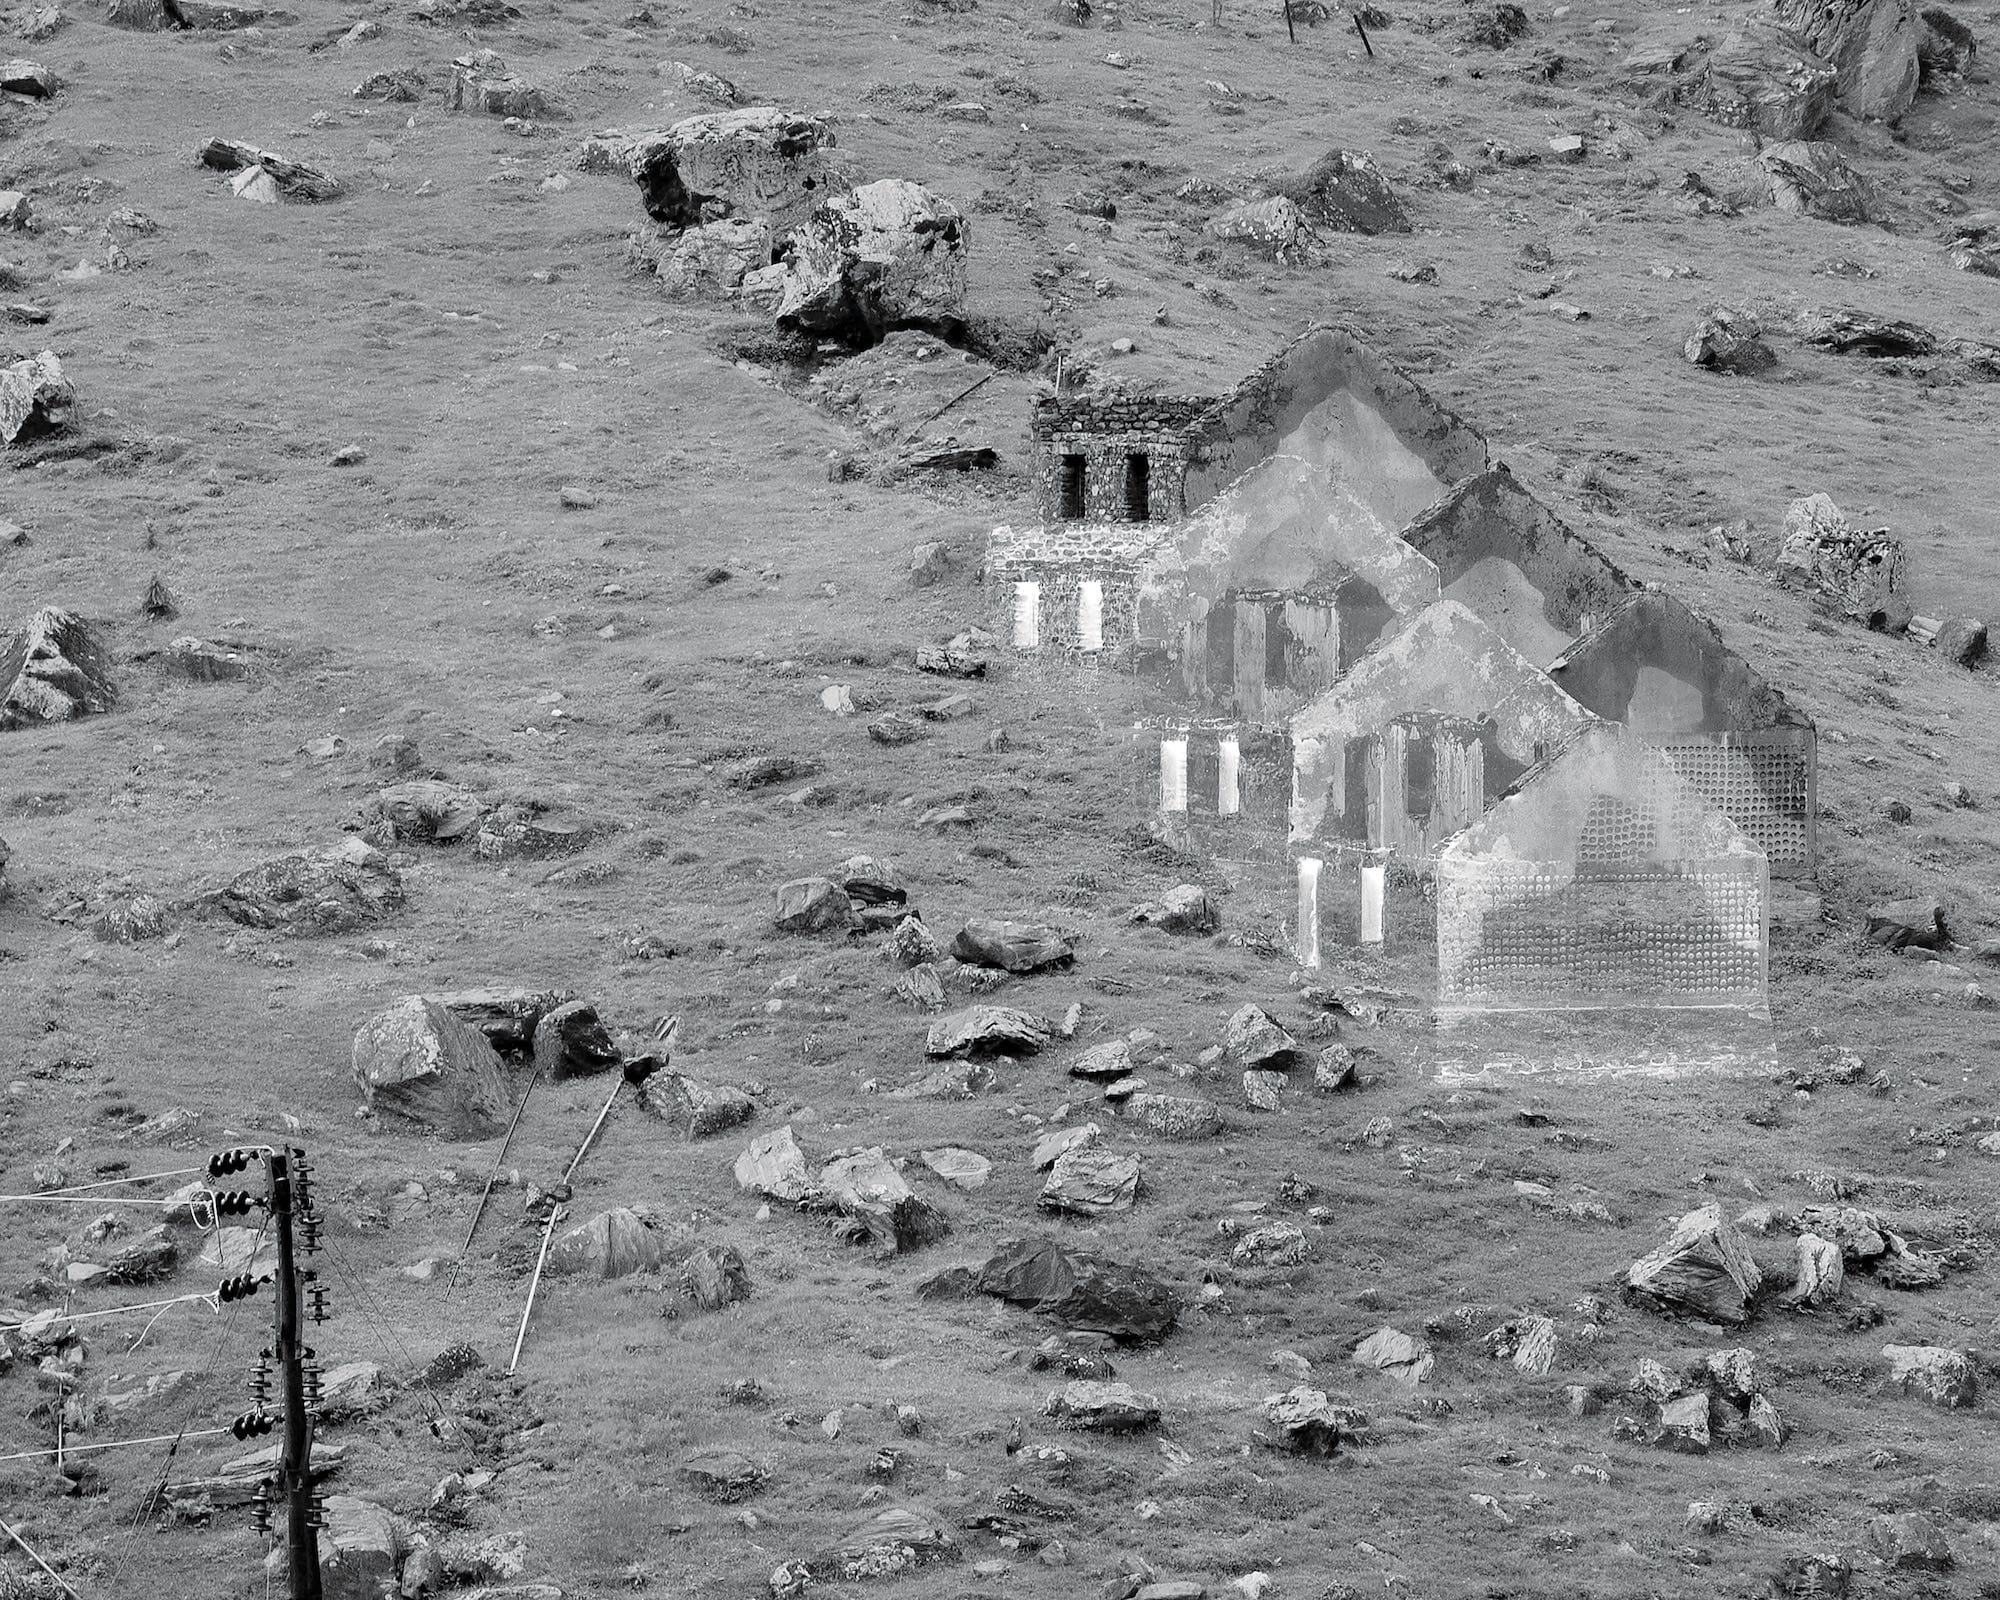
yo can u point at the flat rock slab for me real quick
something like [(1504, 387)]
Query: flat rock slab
[(962, 1169), (1017, 947), (988, 1030), (1091, 1180), (1105, 1407)]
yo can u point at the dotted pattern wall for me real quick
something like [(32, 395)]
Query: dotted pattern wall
[(1765, 782)]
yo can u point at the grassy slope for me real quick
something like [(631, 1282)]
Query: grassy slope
[(398, 596)]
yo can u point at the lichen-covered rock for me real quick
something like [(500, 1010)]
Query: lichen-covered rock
[(319, 892), (427, 811), (1872, 46), (715, 1276), (1176, 1116), (883, 1209), (1821, 1272), (1272, 226), (1252, 1039), (612, 1244), (988, 1030), (1860, 571), (711, 259), (1345, 192), (55, 669), (1761, 79), (812, 905), (418, 1062), (774, 1165), (1683, 1424), (1308, 1422), (1813, 179), (1090, 1180), (1276, 1244), (1725, 339), (887, 255), (703, 1109), (1704, 1269), (1186, 909), (1261, 1090), (760, 162), (1018, 947), (1114, 1407), (1396, 1354), (1945, 1377), (1909, 1541), (482, 83), (893, 1542), (35, 398)]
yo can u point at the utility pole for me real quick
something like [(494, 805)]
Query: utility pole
[(295, 1460)]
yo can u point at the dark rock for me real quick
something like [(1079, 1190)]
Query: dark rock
[(1704, 1269), (572, 1042), (813, 905), (869, 882), (1726, 340), (55, 669), (28, 78), (507, 1017), (883, 1209), (418, 1062), (1345, 192), (1910, 1542), (1962, 641), (715, 1276), (328, 891), (1814, 179), (1013, 946), (1872, 45), (1759, 78), (1893, 933), (1856, 333), (954, 1283), (1080, 1289), (988, 1030), (884, 256)]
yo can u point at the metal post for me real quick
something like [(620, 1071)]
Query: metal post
[(295, 1462)]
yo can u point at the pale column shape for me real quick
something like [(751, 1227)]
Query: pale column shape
[(1372, 880), (1173, 774), (1090, 614), (1308, 942), (1228, 760), (1027, 615)]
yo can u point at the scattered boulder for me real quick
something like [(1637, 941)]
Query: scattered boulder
[(1683, 1424), (715, 1276), (759, 162), (1704, 1269), (292, 179), (1946, 1378), (1345, 192), (813, 905), (962, 1169), (1016, 947), (988, 1030), (1396, 1354), (701, 83), (724, 1476), (198, 661), (1261, 1090), (29, 79), (1821, 1273), (1276, 1244), (1336, 1069), (1080, 1289), (1860, 572), (959, 1080), (1759, 78), (358, 1548), (1309, 1423), (1089, 1180), (1252, 1039), (418, 1062), (323, 891), (149, 1257), (875, 890), (54, 670), (702, 1109), (1812, 179), (1058, 1141), (1728, 340), (1872, 46), (884, 256), (913, 944), (481, 82), (571, 1041), (897, 1540), (1962, 641), (1903, 928), (867, 1189), (1185, 908), (774, 1165), (35, 398), (1867, 1244), (1272, 226), (1175, 1116), (403, 85), (612, 1244), (426, 811), (1847, 332), (1909, 1541), (1103, 1407)]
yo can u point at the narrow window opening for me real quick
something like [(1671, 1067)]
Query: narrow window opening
[(1138, 493), (1419, 776), (1072, 488)]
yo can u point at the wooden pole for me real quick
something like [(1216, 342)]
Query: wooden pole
[(1364, 34), (1294, 32), (295, 1462)]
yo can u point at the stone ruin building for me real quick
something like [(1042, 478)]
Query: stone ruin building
[(1215, 786), (1603, 881), (1427, 732), (1664, 672)]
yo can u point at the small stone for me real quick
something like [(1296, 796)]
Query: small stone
[(574, 498), (348, 456)]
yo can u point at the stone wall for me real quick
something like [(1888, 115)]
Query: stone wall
[(1105, 431), (1061, 557), (1256, 830)]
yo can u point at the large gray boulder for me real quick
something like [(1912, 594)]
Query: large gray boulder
[(1103, 1407), (1012, 946), (1943, 1376), (1813, 179), (1080, 1289), (1345, 192), (1872, 45), (1761, 79), (988, 1030), (1090, 1180), (1704, 1269), (612, 1244), (319, 891), (711, 259), (812, 905), (417, 1062), (35, 397), (55, 669), (882, 1209), (760, 162), (887, 255)]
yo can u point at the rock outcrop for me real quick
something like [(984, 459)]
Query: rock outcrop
[(1080, 1289), (884, 256), (35, 398), (54, 670), (1872, 45), (1704, 1269), (1812, 179), (1759, 78), (759, 162), (322, 891), (1859, 572), (612, 1244)]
